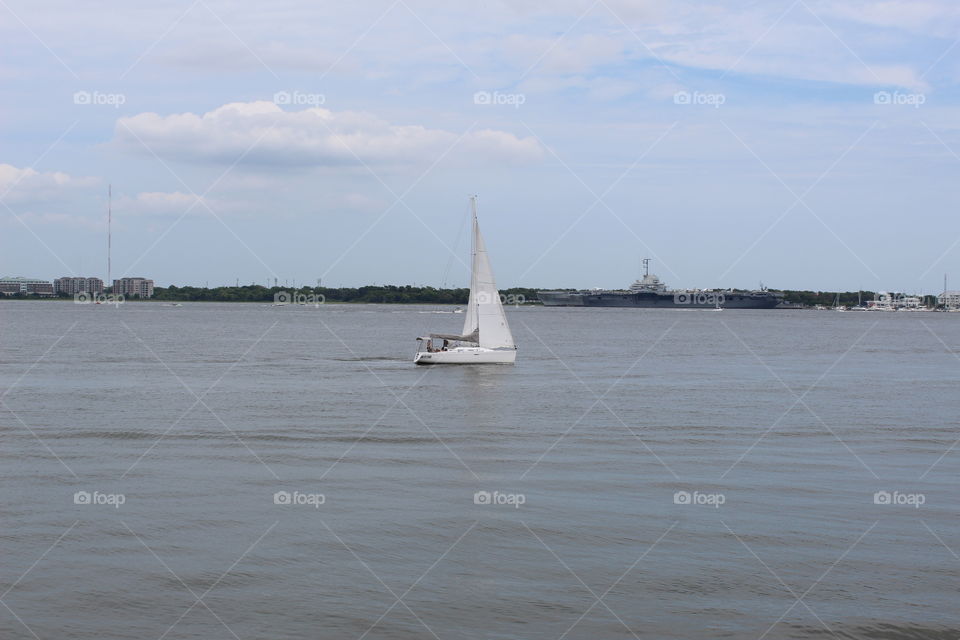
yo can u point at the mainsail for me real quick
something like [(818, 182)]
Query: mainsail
[(484, 314)]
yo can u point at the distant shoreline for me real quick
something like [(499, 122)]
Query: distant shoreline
[(409, 294)]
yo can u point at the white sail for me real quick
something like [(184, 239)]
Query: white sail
[(485, 312)]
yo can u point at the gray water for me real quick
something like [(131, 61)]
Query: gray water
[(780, 425)]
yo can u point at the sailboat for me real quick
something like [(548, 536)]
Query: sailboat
[(486, 337), (836, 304), (859, 306)]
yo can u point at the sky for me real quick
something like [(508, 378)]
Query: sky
[(804, 144)]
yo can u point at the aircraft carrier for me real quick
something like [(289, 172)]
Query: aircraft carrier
[(650, 292)]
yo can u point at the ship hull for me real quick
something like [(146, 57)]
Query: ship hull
[(467, 355), (665, 300)]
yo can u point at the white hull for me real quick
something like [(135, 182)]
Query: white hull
[(467, 355)]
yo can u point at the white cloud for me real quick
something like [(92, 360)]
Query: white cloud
[(265, 134), (47, 198), (176, 203), (768, 42), (939, 19), (227, 54), (26, 185), (500, 40)]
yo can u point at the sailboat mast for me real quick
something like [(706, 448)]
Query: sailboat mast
[(473, 236), (473, 257)]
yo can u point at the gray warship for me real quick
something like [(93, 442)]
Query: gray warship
[(650, 292)]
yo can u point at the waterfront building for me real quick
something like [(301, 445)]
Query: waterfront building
[(69, 285), (894, 301), (133, 287), (29, 286), (949, 299), (883, 302)]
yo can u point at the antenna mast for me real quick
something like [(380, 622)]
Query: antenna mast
[(646, 267), (109, 231)]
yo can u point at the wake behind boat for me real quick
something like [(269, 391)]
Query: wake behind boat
[(486, 337)]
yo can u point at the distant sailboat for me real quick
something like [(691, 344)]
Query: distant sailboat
[(859, 306), (486, 337), (836, 304)]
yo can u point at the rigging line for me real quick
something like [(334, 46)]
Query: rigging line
[(456, 246)]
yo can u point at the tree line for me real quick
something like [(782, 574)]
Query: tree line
[(376, 294), (409, 294)]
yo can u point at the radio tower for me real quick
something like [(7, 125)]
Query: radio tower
[(109, 231)]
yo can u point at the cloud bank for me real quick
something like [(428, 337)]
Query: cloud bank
[(262, 133)]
